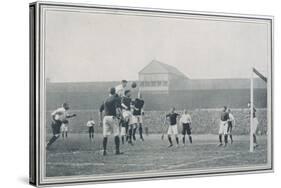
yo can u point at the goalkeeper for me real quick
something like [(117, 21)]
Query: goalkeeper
[(59, 116)]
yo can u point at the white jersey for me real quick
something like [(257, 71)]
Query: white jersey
[(90, 123), (185, 118), (120, 90), (231, 118), (60, 114)]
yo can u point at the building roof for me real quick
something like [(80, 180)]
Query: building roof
[(160, 68)]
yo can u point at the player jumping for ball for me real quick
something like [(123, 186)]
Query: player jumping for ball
[(223, 126), (127, 127), (90, 124), (59, 116), (120, 89), (185, 121), (173, 127), (255, 124), (138, 104), (111, 108)]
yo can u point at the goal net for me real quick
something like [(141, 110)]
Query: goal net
[(258, 99)]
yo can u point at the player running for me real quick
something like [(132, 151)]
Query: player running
[(231, 124), (111, 108), (173, 127), (223, 126), (90, 124), (255, 124), (59, 116), (185, 121), (138, 105)]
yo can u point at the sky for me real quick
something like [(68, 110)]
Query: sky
[(85, 47)]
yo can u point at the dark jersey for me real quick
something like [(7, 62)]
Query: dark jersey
[(138, 104), (127, 102), (224, 116), (110, 105), (173, 118)]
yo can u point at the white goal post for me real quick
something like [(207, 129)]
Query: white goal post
[(260, 75)]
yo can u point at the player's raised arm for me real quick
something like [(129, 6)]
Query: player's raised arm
[(70, 115)]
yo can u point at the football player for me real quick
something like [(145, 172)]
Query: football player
[(185, 121), (64, 129), (231, 124), (109, 121), (90, 124), (138, 105), (127, 128), (120, 89), (223, 126), (255, 124), (173, 127), (59, 116)]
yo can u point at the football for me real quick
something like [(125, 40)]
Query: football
[(134, 85)]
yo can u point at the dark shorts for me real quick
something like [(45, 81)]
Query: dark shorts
[(91, 129), (56, 125), (186, 129), (229, 128)]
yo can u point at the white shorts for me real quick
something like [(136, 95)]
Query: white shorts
[(173, 129), (255, 125), (137, 119), (123, 131), (223, 127), (110, 125), (64, 128), (128, 116)]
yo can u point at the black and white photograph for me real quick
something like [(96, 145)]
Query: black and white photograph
[(124, 93)]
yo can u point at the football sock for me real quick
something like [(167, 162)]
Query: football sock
[(122, 138), (190, 139), (117, 143), (254, 138), (130, 134), (177, 140), (104, 143), (225, 139), (231, 137), (183, 139), (134, 133), (140, 131), (170, 140), (220, 138), (65, 134)]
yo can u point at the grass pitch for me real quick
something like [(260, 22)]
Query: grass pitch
[(76, 155)]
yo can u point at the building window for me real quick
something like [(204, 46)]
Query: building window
[(159, 83), (165, 83), (147, 83)]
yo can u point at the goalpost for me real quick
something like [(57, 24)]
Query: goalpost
[(261, 76)]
